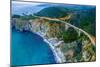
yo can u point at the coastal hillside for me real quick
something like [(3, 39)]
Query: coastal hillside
[(72, 46), (83, 17), (70, 32), (53, 12)]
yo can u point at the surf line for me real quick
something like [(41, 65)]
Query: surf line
[(58, 55)]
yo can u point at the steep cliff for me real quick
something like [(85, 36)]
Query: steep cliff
[(67, 43), (72, 48)]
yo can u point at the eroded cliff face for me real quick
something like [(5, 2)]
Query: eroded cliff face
[(20, 24), (51, 29), (78, 48)]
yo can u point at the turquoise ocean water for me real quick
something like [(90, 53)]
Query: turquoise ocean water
[(29, 48)]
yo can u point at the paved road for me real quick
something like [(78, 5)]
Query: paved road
[(79, 29)]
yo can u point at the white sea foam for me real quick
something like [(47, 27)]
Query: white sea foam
[(59, 57)]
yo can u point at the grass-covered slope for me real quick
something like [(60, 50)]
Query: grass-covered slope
[(53, 12)]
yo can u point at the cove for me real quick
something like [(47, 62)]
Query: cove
[(29, 49)]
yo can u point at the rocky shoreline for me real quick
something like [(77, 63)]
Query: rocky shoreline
[(53, 42), (68, 49), (59, 57)]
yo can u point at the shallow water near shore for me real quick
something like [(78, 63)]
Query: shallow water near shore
[(29, 48)]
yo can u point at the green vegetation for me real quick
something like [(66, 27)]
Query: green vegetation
[(70, 35), (85, 20), (88, 22), (74, 46), (53, 12), (16, 16)]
